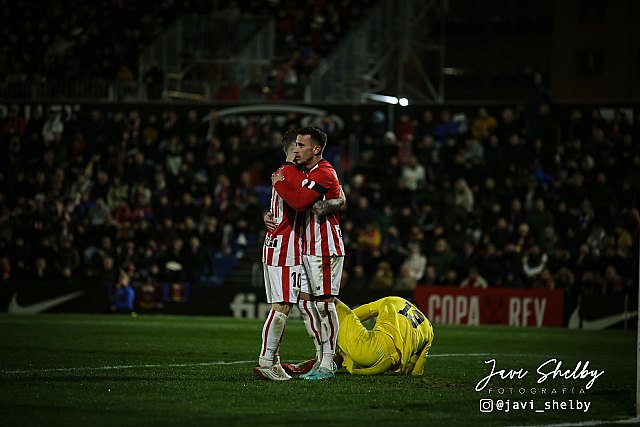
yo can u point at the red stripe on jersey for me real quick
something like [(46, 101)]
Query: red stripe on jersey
[(284, 249), (326, 275), (286, 282), (272, 314), (305, 305), (269, 256)]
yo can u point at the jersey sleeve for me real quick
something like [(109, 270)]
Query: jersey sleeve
[(326, 177), (368, 311), (297, 190)]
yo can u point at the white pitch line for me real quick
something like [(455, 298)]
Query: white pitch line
[(185, 365), (116, 367)]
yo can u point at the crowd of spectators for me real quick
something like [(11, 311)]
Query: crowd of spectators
[(440, 199), (72, 40), (519, 199), (86, 195)]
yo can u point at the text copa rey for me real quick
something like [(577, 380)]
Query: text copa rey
[(552, 368)]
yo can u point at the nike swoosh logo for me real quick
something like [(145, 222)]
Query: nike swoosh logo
[(41, 306), (601, 323)]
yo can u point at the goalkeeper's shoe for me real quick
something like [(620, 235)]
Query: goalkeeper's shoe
[(299, 368), (321, 374), (274, 373)]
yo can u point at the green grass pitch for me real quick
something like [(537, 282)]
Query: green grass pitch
[(94, 370)]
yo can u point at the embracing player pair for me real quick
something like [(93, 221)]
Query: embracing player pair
[(303, 253)]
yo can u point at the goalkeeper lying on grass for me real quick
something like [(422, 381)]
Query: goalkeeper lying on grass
[(398, 342)]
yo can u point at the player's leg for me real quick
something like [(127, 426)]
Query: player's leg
[(309, 315), (282, 285), (324, 275), (269, 366), (311, 321), (330, 327)]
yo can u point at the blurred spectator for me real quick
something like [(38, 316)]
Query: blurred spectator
[(358, 280), (548, 240), (67, 258), (445, 128), (404, 281), (471, 154), (474, 280), (392, 248), (368, 242), (425, 126), (545, 280), (612, 282), (123, 297), (195, 260), (404, 130), (413, 175), (482, 124), (466, 258), (415, 263), (463, 198), (5, 269), (42, 272), (441, 258), (534, 263), (383, 277), (538, 217)]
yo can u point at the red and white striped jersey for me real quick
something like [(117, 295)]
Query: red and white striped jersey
[(322, 234), (283, 246)]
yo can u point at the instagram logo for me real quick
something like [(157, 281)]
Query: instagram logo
[(486, 405)]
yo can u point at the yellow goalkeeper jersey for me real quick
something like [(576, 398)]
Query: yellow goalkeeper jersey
[(409, 329)]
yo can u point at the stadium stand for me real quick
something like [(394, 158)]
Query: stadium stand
[(167, 196), (76, 41)]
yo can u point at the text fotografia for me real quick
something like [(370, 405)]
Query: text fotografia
[(507, 405), (522, 390), (551, 369)]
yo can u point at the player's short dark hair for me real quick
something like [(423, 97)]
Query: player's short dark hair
[(318, 137), (289, 138)]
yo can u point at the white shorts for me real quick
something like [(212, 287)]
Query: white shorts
[(323, 273), (282, 284)]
